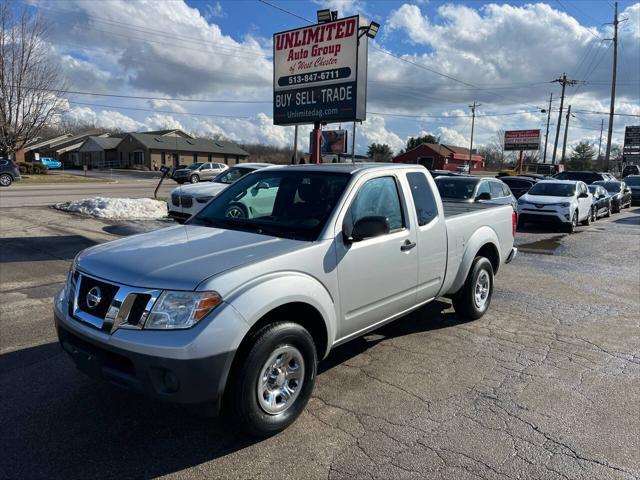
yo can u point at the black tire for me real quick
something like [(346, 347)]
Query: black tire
[(194, 178), (464, 302), (243, 392), (236, 210), (571, 227), (5, 180)]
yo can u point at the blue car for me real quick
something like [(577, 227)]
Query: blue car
[(49, 162)]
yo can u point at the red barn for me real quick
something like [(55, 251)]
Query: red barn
[(441, 157)]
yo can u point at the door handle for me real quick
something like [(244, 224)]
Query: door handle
[(408, 245)]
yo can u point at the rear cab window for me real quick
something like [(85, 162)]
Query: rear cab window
[(423, 199)]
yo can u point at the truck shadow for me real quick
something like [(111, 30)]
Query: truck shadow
[(56, 423), (32, 249)]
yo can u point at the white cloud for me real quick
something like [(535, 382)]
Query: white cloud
[(343, 7), (212, 11)]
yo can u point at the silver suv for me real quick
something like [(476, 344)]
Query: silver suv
[(197, 172)]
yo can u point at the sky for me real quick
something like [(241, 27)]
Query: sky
[(188, 56)]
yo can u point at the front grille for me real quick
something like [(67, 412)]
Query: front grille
[(138, 308), (107, 293), (187, 202), (175, 199)]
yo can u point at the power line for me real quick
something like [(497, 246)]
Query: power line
[(118, 107), (398, 57), (141, 97)]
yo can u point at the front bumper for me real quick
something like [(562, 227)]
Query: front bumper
[(179, 216), (185, 368), (545, 214)]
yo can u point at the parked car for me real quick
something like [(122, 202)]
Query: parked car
[(630, 170), (190, 199), (48, 162), (476, 189), (583, 176), (553, 201), (9, 172), (633, 182), (243, 309), (519, 185), (620, 194), (463, 169), (197, 172), (601, 204)]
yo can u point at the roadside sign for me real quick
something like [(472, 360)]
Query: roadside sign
[(631, 149), (320, 73), (331, 141), (522, 140)]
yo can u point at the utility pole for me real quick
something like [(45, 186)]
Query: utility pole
[(564, 82), (473, 121), (613, 85), (600, 143), (546, 136), (566, 131)]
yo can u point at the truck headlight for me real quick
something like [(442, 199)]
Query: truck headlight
[(204, 199), (175, 309)]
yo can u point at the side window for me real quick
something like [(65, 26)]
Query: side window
[(483, 188), (496, 190), (506, 191), (422, 198), (379, 197)]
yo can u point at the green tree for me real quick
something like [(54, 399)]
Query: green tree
[(380, 152), (582, 156), (417, 141)]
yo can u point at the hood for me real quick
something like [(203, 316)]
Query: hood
[(201, 189), (544, 199), (179, 257)]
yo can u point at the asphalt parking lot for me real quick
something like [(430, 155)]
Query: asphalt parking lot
[(545, 386)]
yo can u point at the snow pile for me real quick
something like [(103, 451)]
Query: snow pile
[(117, 208)]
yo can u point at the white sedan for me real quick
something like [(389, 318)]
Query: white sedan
[(565, 203), (185, 201)]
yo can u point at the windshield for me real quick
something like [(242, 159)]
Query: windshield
[(612, 187), (586, 177), (194, 166), (232, 175), (553, 189), (635, 181), (458, 188), (279, 203)]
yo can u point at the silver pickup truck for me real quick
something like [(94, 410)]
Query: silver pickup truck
[(235, 311)]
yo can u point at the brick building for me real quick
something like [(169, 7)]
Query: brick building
[(441, 157)]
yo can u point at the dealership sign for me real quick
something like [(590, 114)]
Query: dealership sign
[(319, 73), (522, 140)]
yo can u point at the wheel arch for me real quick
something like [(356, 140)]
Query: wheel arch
[(484, 242)]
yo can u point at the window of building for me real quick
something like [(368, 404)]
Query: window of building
[(138, 157)]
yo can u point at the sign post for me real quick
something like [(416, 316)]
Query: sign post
[(320, 76)]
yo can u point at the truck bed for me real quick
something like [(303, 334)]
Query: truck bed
[(451, 209)]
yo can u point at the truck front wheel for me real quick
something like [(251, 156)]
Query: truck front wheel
[(473, 300), (274, 380)]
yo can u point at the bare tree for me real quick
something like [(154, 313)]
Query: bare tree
[(31, 85)]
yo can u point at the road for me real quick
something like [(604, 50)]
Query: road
[(546, 385), (47, 194)]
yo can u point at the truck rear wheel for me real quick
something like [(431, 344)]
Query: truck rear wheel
[(274, 380), (473, 300)]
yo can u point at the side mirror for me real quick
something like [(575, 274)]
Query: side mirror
[(262, 186), (583, 195), (627, 190), (366, 227), (483, 196)]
